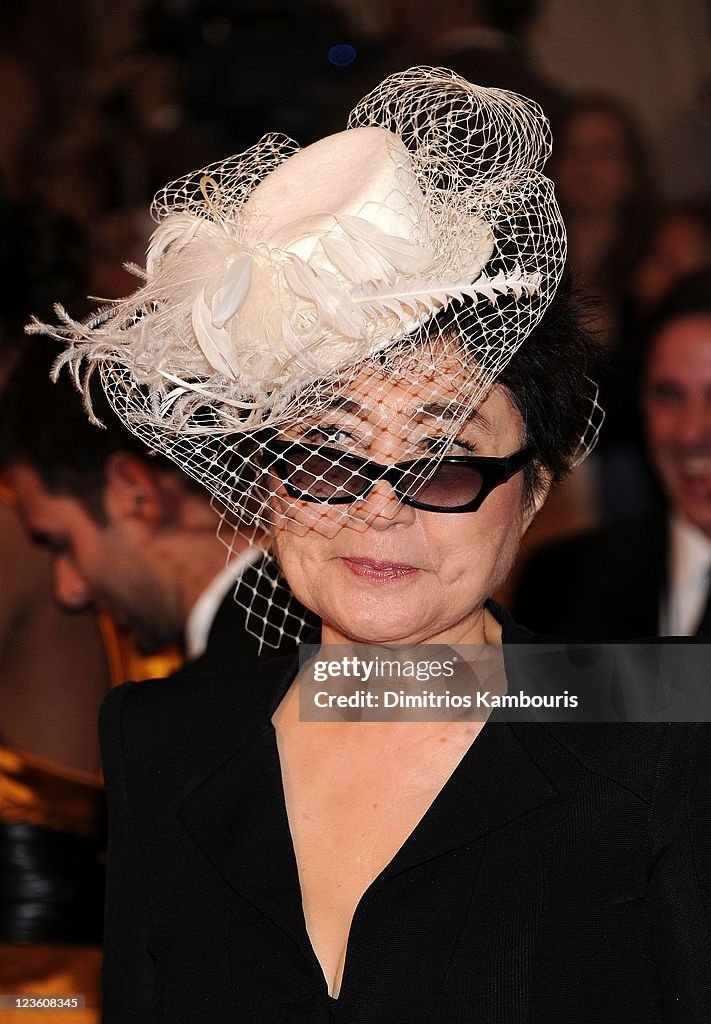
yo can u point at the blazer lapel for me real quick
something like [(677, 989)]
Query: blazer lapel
[(495, 817), (509, 772), (496, 783), (237, 816)]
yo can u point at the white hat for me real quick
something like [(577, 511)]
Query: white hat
[(276, 275), (280, 266), (306, 282)]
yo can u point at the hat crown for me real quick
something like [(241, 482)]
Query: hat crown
[(362, 172)]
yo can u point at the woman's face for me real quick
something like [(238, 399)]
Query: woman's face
[(382, 571), (593, 167)]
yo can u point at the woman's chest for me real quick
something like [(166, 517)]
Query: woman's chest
[(518, 906), (351, 807), (352, 801)]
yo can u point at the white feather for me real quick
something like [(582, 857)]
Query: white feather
[(327, 294), (404, 256), (214, 342), (356, 260), (420, 295), (233, 290), (175, 231), (292, 342)]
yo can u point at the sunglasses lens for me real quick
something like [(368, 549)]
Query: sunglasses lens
[(314, 474), (318, 477), (450, 486)]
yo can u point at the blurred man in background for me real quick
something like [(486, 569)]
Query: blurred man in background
[(54, 673), (649, 576), (127, 531)]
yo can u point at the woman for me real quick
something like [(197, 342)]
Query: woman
[(604, 183), (344, 344)]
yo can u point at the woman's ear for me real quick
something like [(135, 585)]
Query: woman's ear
[(133, 491), (535, 501)]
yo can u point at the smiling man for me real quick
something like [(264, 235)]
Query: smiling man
[(677, 409), (647, 577)]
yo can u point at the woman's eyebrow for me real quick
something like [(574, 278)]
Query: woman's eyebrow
[(450, 411), (436, 410), (346, 405)]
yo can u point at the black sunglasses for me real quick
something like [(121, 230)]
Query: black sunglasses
[(451, 483)]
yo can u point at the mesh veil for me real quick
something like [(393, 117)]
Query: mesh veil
[(373, 324)]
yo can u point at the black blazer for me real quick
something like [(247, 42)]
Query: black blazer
[(602, 585), (561, 875)]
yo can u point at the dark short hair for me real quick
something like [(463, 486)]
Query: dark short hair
[(691, 296), (45, 427), (550, 380)]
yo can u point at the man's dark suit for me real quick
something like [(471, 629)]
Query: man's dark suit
[(559, 876), (602, 585)]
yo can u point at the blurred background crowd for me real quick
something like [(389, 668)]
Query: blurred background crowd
[(102, 103)]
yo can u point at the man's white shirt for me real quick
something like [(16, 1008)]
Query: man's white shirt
[(689, 575), (203, 612)]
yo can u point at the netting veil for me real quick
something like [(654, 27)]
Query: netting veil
[(287, 292)]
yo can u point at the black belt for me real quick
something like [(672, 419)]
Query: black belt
[(51, 885)]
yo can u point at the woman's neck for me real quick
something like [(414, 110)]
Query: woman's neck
[(479, 628)]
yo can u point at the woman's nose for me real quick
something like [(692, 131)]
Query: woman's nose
[(381, 508), (70, 588)]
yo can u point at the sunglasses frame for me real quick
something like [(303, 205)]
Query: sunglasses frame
[(495, 470)]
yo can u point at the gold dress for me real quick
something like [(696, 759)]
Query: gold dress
[(52, 855), (51, 863)]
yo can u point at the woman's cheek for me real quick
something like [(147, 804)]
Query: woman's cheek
[(297, 555)]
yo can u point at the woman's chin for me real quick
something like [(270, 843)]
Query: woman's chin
[(376, 625), (391, 622)]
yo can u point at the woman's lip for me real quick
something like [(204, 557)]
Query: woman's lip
[(374, 569)]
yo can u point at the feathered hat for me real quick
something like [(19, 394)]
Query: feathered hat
[(277, 267), (275, 275)]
